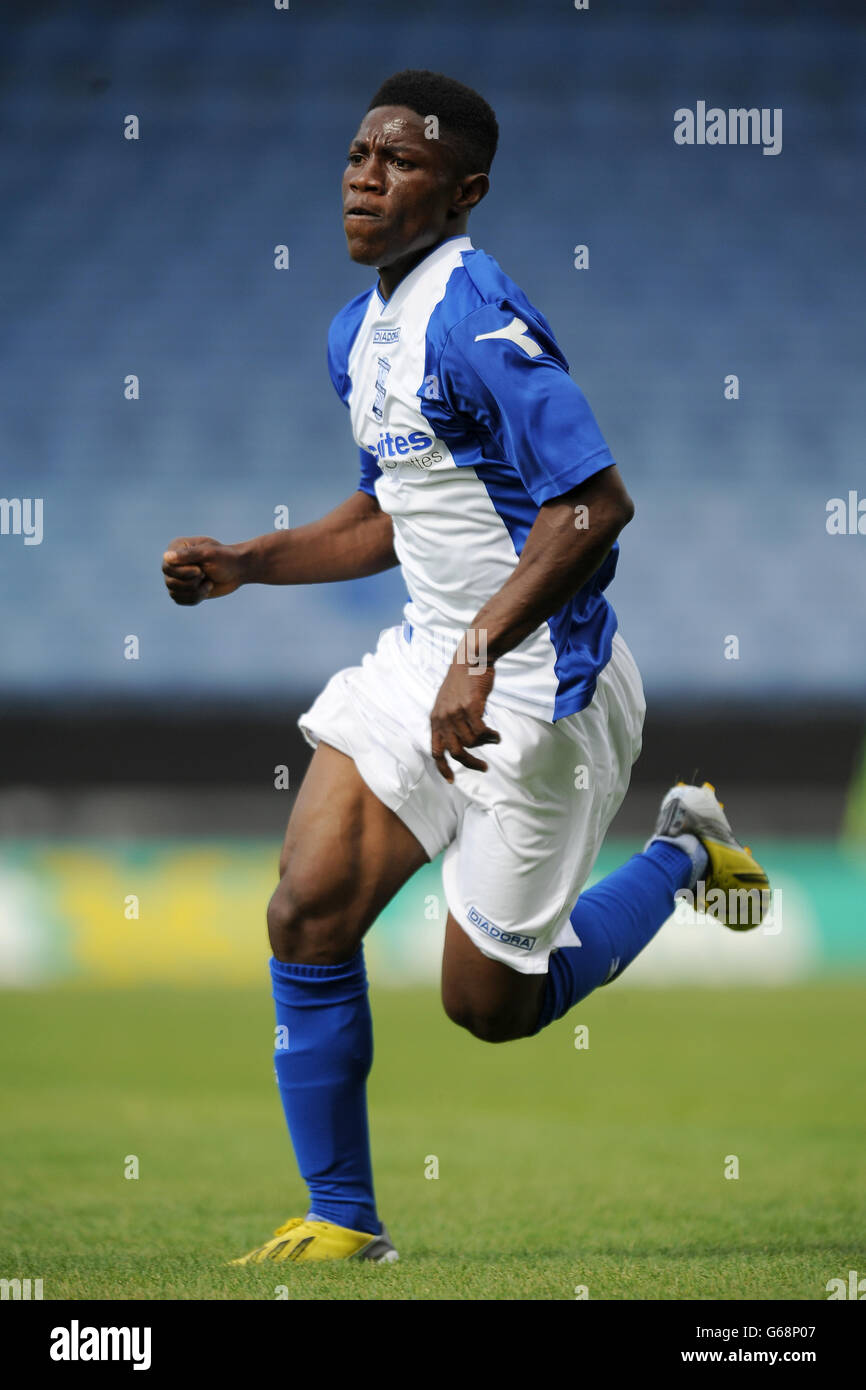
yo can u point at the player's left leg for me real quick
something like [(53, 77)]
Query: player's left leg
[(490, 999), (528, 833), (521, 949), (612, 922)]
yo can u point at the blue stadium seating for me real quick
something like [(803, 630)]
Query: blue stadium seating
[(155, 257)]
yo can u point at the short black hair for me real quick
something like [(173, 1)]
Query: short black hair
[(465, 115)]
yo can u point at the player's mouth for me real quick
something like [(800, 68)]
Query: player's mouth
[(355, 210)]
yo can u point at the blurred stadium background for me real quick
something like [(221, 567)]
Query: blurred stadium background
[(152, 781), (156, 776)]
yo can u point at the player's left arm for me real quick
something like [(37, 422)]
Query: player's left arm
[(557, 559), (502, 371)]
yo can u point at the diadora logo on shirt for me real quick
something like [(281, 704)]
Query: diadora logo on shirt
[(386, 335), (415, 449), (508, 938)]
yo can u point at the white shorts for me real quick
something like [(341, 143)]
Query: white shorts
[(520, 840)]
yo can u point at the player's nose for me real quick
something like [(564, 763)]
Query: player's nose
[(366, 176)]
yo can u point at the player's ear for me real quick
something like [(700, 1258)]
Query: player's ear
[(470, 191)]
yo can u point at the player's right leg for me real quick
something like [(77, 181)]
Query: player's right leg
[(345, 856)]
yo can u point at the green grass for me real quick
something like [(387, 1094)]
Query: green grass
[(558, 1167)]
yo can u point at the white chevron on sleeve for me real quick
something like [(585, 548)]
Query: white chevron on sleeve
[(515, 332)]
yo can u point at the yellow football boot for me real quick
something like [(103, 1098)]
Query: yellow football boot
[(735, 889), (302, 1239)]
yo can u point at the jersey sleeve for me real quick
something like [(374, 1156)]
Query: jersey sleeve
[(338, 359), (502, 368), (370, 471), (341, 335)]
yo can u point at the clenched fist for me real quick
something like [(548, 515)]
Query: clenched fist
[(198, 567)]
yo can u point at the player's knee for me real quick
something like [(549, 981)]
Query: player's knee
[(304, 928), (488, 1025)]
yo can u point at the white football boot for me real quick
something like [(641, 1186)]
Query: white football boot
[(732, 887)]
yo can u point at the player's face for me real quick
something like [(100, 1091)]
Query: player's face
[(400, 190)]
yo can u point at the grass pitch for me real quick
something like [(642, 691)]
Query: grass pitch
[(559, 1167)]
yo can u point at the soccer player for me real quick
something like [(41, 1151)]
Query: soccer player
[(484, 475)]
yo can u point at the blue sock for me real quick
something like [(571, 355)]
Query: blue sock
[(322, 1075), (613, 922)]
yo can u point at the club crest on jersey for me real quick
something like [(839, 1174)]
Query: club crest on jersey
[(378, 406), (386, 335)]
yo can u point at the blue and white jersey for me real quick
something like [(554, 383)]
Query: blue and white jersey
[(467, 421)]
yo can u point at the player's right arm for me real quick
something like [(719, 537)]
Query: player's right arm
[(352, 541)]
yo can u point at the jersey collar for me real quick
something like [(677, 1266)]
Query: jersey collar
[(440, 252)]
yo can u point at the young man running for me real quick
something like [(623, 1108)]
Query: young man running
[(484, 475)]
